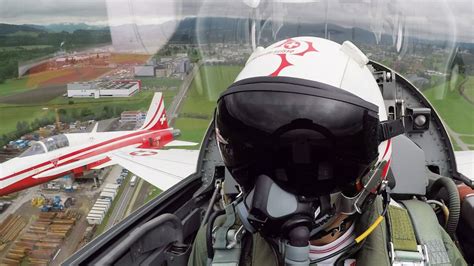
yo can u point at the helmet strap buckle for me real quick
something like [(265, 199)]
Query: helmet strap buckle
[(373, 184)]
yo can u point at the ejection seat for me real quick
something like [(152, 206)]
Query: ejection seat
[(410, 177)]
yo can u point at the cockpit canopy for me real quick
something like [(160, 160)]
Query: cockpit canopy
[(47, 145)]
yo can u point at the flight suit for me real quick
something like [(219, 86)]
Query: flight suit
[(373, 252)]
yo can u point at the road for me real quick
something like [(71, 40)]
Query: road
[(173, 108), (120, 206), (121, 202)]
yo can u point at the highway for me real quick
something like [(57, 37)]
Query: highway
[(121, 205), (173, 108)]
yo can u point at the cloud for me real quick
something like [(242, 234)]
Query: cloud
[(440, 19), (51, 11)]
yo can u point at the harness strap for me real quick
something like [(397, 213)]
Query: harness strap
[(404, 249), (427, 231), (227, 245), (402, 234)]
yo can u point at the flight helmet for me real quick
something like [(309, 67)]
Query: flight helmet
[(307, 115)]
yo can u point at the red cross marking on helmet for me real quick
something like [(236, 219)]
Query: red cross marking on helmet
[(291, 45), (143, 153), (283, 64)]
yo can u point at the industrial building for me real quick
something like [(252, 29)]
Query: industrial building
[(183, 65), (132, 116), (144, 71), (159, 70), (95, 89)]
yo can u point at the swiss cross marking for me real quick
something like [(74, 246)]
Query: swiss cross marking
[(143, 153), (163, 119)]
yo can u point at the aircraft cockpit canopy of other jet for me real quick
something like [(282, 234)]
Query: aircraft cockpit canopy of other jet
[(37, 148), (46, 145), (56, 142)]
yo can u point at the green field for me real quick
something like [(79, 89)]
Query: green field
[(160, 82), (13, 86), (152, 192), (191, 129), (10, 114), (200, 101), (469, 88), (469, 140), (453, 108)]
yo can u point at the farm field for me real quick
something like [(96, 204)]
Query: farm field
[(10, 114), (12, 86), (198, 107), (36, 96), (152, 83), (21, 87), (129, 58)]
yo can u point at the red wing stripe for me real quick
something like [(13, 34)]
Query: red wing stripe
[(134, 134)]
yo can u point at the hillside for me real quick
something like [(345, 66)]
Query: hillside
[(7, 29)]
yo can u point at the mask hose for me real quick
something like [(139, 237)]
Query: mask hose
[(297, 247)]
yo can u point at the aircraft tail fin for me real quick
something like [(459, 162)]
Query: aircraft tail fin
[(156, 116)]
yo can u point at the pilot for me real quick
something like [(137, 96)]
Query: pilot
[(305, 134)]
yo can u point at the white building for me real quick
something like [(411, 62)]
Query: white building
[(118, 88), (144, 71)]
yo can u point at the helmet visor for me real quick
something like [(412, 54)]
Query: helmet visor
[(307, 143)]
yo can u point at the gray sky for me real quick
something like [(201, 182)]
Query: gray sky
[(442, 18)]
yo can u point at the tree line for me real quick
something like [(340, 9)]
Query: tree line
[(78, 38), (10, 59), (15, 53)]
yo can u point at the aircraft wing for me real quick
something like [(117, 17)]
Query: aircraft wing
[(161, 168), (465, 163)]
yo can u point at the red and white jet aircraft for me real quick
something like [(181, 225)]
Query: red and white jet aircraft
[(75, 153)]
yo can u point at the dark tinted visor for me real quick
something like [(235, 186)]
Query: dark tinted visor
[(307, 142)]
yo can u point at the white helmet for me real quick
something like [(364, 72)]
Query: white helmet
[(307, 112), (321, 60), (304, 124)]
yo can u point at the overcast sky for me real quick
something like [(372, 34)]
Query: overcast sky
[(446, 19)]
